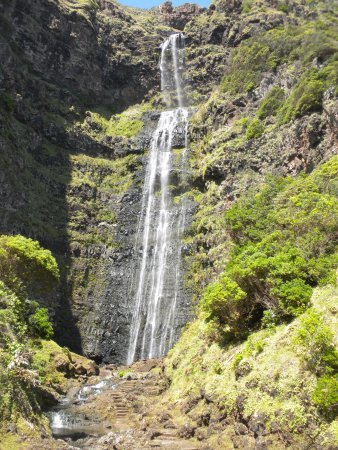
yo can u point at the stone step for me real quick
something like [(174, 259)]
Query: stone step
[(168, 435), (172, 445)]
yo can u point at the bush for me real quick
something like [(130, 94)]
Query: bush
[(224, 302), (246, 67), (271, 103), (316, 340), (264, 53), (25, 265), (255, 129), (40, 324), (326, 395), (306, 97), (284, 238)]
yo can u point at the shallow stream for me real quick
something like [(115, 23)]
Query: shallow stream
[(67, 419)]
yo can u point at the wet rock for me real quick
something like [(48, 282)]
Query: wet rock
[(62, 365), (92, 369)]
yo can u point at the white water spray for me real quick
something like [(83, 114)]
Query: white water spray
[(161, 225)]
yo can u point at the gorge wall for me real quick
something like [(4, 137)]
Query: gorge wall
[(79, 104), (78, 109)]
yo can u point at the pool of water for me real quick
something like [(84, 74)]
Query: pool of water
[(68, 422)]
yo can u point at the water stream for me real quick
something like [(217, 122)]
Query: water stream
[(158, 275), (66, 419)]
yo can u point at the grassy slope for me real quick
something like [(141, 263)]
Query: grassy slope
[(271, 377)]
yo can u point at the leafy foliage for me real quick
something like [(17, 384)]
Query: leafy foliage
[(25, 269), (305, 97), (284, 245), (40, 324), (25, 265), (224, 301), (316, 342), (326, 394), (271, 103), (297, 46), (255, 129)]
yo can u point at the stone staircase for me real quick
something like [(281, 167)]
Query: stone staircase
[(169, 439), (123, 398)]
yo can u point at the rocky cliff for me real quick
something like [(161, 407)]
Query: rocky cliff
[(79, 84), (77, 119), (68, 70)]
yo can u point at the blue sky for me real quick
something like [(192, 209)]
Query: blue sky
[(150, 3)]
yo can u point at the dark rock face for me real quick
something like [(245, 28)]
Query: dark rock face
[(178, 17), (79, 189), (79, 47), (58, 60)]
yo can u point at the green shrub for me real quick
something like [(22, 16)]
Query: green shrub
[(264, 53), (246, 6), (293, 296), (326, 395), (316, 341), (246, 67), (271, 103), (24, 264), (283, 6), (306, 97), (40, 324), (255, 129), (223, 302), (284, 238)]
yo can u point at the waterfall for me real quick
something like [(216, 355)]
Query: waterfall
[(158, 277)]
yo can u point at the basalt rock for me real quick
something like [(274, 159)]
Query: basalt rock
[(178, 17)]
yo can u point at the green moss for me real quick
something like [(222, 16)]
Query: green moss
[(262, 376), (9, 441), (124, 372), (45, 354), (127, 124)]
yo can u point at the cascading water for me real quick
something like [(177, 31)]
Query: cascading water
[(158, 280)]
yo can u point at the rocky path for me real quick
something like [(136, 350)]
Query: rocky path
[(129, 412), (129, 400)]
